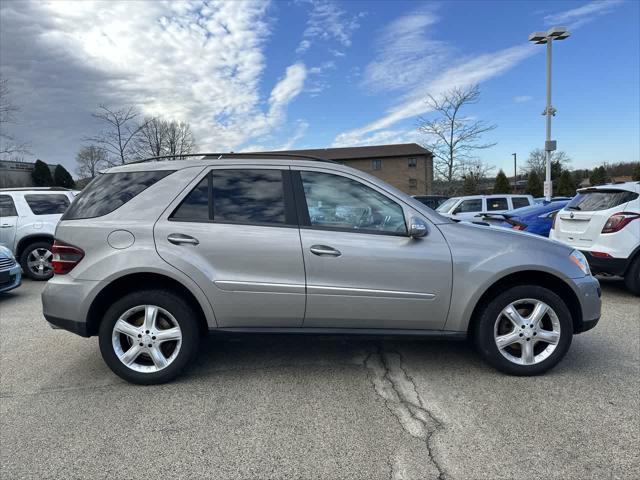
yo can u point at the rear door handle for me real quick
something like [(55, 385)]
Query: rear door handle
[(179, 238), (6, 225), (324, 250)]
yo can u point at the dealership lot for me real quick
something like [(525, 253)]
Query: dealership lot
[(319, 407)]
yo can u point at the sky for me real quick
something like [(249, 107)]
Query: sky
[(322, 73)]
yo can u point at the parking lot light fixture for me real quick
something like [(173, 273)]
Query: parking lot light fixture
[(542, 38)]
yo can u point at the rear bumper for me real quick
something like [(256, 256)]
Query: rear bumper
[(15, 279), (610, 265), (65, 303)]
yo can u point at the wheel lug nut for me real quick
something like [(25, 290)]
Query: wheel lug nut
[(149, 345), (528, 339), (522, 334), (147, 331), (140, 343), (153, 338), (139, 335)]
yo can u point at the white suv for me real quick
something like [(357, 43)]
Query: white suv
[(28, 220), (604, 222), (469, 207)]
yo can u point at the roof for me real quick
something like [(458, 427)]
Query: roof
[(629, 186), (35, 189), (354, 153)]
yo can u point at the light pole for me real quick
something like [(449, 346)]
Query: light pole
[(540, 38), (515, 172)]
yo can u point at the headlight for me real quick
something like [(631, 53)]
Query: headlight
[(581, 261)]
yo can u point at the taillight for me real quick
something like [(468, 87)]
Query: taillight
[(618, 221), (519, 227), (65, 257), (600, 254)]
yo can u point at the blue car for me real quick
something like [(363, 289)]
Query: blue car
[(10, 271), (533, 219)]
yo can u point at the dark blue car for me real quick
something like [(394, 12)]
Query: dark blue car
[(534, 219)]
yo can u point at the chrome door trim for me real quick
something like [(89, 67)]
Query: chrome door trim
[(258, 287), (366, 292)]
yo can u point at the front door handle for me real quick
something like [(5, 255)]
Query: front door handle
[(324, 250), (179, 238), (6, 225)]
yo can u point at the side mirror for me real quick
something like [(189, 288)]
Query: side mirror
[(417, 228)]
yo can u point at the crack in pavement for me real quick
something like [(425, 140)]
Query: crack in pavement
[(398, 389)]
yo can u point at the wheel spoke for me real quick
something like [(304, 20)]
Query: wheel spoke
[(130, 355), (539, 311), (508, 339), (126, 328), (168, 335), (548, 336), (158, 357), (512, 314), (527, 353), (32, 263), (150, 315), (47, 254)]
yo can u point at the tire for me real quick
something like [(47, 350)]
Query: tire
[(171, 312), (493, 325), (632, 277), (34, 251)]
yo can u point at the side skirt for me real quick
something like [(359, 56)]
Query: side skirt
[(443, 334)]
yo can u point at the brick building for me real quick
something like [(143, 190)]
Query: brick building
[(15, 174), (406, 166)]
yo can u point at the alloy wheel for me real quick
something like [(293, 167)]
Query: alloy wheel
[(527, 331), (146, 338), (39, 262)]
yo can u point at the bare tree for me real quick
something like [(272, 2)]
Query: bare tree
[(9, 147), (537, 162), (90, 160), (451, 137), (121, 130), (476, 169), (160, 137)]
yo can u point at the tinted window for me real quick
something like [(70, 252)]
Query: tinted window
[(600, 199), (470, 206), (43, 204), (497, 204), (7, 208), (109, 191), (195, 207), (341, 203), (519, 202), (248, 196)]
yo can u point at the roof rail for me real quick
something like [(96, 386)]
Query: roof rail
[(37, 189), (221, 156)]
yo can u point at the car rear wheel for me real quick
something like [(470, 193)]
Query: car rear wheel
[(632, 277), (525, 330), (149, 337), (36, 261)]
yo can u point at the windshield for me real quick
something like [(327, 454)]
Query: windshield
[(446, 206)]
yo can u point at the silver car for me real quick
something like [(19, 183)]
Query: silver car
[(151, 256)]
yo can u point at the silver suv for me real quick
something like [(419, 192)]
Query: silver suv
[(150, 256), (28, 219)]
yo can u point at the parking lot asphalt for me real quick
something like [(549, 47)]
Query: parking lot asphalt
[(266, 406)]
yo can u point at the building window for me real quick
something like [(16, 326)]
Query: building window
[(413, 183), (376, 164), (413, 162)]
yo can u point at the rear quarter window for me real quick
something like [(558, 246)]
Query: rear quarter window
[(595, 200), (519, 202), (7, 207), (110, 191), (46, 204)]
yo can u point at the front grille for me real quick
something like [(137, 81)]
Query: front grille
[(6, 263)]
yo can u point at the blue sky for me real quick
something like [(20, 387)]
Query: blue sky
[(309, 74)]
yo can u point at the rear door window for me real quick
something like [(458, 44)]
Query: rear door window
[(494, 204), (519, 202), (7, 207), (47, 204), (595, 200), (109, 191)]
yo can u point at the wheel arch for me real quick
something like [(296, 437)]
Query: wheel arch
[(530, 277), (131, 282), (27, 240)]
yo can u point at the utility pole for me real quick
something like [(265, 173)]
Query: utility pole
[(541, 38), (515, 171)]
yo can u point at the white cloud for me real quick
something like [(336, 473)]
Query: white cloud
[(301, 129), (328, 22), (522, 98), (197, 61), (579, 16), (464, 73), (406, 54)]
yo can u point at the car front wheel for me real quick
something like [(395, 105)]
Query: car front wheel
[(525, 330), (149, 337)]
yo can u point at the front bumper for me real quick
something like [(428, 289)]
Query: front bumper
[(589, 296), (65, 303), (15, 279)]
